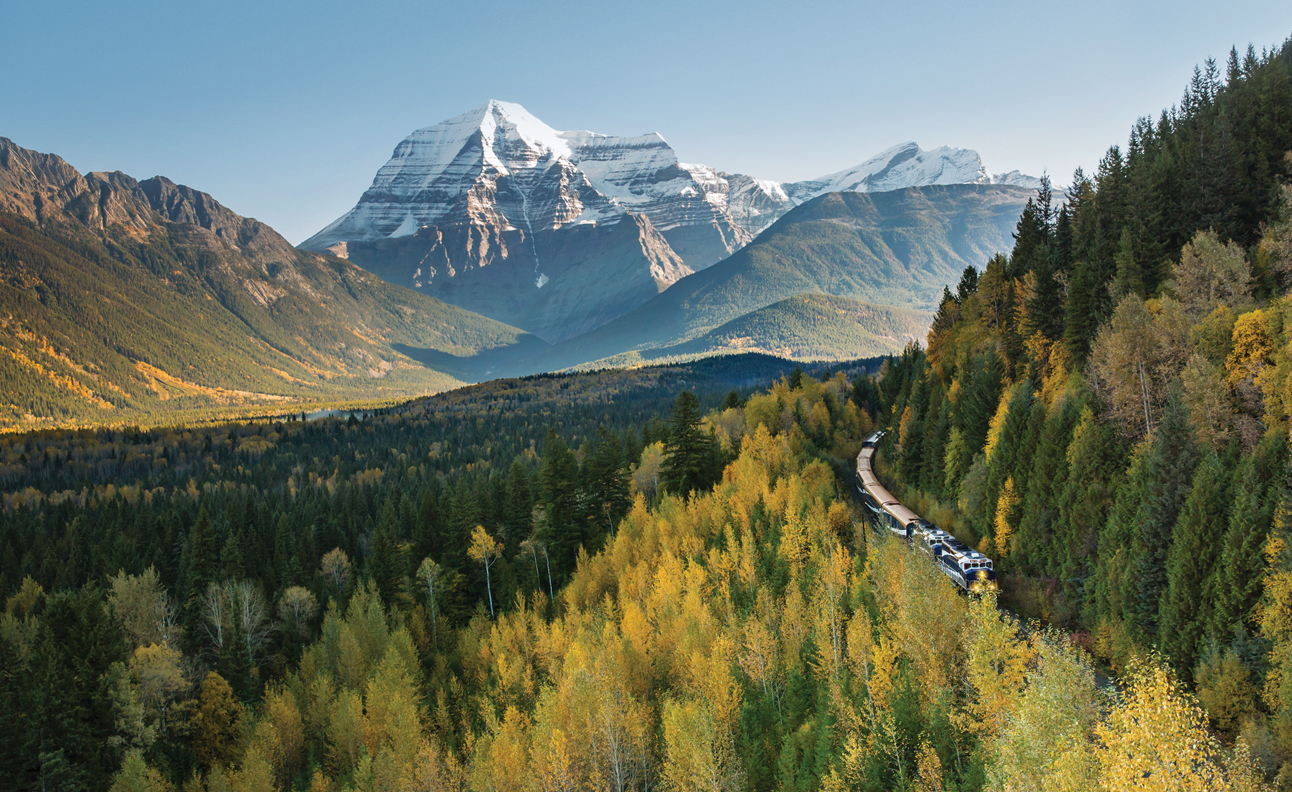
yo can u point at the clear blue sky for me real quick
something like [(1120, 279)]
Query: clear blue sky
[(284, 111)]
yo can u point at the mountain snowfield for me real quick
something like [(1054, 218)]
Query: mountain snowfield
[(553, 179), (497, 212)]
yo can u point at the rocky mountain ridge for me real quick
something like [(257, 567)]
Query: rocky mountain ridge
[(484, 210), (120, 299)]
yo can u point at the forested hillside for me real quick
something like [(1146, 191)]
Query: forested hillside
[(657, 580), (1105, 411), (671, 624)]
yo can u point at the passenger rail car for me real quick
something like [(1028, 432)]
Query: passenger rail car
[(966, 567)]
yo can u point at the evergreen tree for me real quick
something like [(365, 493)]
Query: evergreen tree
[(935, 443), (606, 477), (1190, 560), (1080, 317), (968, 284), (979, 397), (384, 564), (13, 717), (202, 564), (688, 452), (558, 484), (1045, 305), (70, 713), (287, 563), (519, 504), (1168, 473), (1130, 274), (231, 564), (1236, 585), (1041, 542), (1031, 241), (1115, 564)]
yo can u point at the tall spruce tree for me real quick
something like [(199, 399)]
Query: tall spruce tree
[(606, 481), (1236, 585), (385, 565), (558, 477), (688, 452), (1115, 565), (1130, 275), (203, 566), (1168, 474), (1191, 559)]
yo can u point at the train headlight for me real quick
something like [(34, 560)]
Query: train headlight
[(982, 586)]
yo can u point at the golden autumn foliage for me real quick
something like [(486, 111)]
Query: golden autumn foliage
[(756, 600), (1002, 527), (1155, 738)]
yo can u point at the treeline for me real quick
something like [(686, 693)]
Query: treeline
[(79, 505), (745, 635), (1105, 411), (137, 562)]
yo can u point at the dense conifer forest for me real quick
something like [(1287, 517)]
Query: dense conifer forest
[(658, 579)]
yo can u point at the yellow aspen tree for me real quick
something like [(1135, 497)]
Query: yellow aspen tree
[(1005, 506), (136, 776), (1156, 737), (758, 658), (551, 752), (832, 585), (392, 717), (699, 756), (213, 728), (1045, 744), (928, 769), (346, 732), (502, 758), (485, 549), (922, 613), (282, 713), (794, 542), (997, 424), (997, 659), (1251, 349), (434, 769), (157, 670), (253, 775)]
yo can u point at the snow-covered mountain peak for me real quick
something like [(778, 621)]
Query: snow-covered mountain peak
[(898, 167), (499, 165)]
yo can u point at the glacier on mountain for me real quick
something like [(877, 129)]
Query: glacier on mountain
[(559, 232), (499, 164)]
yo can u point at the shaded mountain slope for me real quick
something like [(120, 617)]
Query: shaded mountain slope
[(898, 248), (803, 327)]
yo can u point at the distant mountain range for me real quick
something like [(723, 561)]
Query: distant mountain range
[(122, 300), (561, 232), (894, 249)]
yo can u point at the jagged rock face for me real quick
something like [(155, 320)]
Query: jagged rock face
[(45, 189), (498, 168), (558, 283), (497, 191)]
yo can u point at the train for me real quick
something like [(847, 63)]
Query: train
[(967, 568)]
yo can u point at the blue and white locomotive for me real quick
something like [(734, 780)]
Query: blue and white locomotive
[(967, 568)]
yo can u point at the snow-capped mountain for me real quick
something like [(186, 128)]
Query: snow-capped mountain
[(908, 165), (496, 188), (498, 167)]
